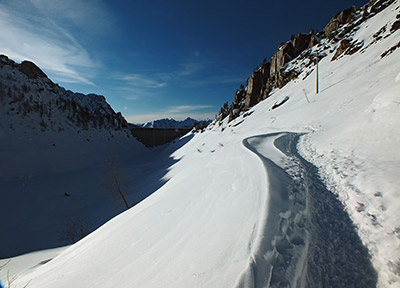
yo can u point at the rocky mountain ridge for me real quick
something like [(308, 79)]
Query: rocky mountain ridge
[(172, 123), (302, 52), (28, 94)]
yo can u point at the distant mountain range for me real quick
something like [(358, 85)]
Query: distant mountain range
[(172, 123)]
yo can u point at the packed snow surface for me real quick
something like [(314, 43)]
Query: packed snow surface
[(240, 204)]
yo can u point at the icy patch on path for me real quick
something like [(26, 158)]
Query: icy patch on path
[(308, 240)]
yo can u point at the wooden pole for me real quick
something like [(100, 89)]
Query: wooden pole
[(317, 80)]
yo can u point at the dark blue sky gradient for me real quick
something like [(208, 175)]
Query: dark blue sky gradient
[(176, 58)]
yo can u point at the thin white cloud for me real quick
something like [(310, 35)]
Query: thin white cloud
[(190, 68), (132, 96), (189, 73), (134, 93), (137, 80), (82, 13), (29, 34), (200, 72), (187, 108)]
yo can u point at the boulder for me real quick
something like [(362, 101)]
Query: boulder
[(343, 46), (395, 26)]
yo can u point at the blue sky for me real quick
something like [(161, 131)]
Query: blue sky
[(156, 59)]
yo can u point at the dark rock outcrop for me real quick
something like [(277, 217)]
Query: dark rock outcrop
[(302, 42), (347, 47), (313, 40), (395, 26), (256, 85), (343, 46), (340, 19), (282, 56), (31, 70), (390, 50), (238, 103)]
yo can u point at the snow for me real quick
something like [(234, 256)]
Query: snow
[(214, 221)]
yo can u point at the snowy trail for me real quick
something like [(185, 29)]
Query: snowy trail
[(308, 240)]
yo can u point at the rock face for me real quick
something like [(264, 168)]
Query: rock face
[(282, 56), (302, 42), (256, 85), (341, 18)]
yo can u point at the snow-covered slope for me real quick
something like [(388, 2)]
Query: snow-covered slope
[(242, 209)]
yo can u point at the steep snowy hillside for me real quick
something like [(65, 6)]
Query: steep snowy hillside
[(298, 190), (54, 146)]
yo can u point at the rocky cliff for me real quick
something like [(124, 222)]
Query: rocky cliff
[(303, 51)]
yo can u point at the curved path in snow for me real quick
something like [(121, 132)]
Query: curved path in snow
[(307, 239)]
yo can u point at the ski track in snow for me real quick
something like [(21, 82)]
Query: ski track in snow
[(308, 240)]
